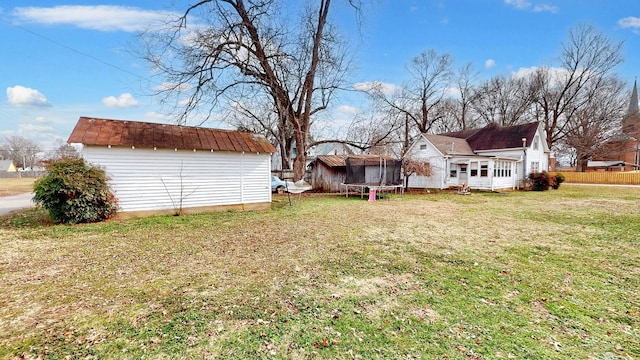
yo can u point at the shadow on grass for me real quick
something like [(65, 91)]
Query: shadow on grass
[(28, 218)]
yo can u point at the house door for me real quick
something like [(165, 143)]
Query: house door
[(462, 170)]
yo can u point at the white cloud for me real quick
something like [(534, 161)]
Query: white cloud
[(156, 116), (630, 22), (558, 75), (489, 63), (34, 131), (546, 7), (99, 17), (524, 72), (27, 97), (166, 86), (349, 110), (452, 91), (125, 100), (518, 4), (384, 88), (527, 5)]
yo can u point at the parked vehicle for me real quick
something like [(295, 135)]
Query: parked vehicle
[(277, 185)]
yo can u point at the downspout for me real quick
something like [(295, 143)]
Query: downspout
[(445, 173), (524, 159), (492, 173)]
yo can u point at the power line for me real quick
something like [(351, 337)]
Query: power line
[(57, 43)]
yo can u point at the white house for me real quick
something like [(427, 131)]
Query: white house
[(489, 158), (160, 168), (328, 148)]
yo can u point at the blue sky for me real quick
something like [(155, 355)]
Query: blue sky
[(64, 59)]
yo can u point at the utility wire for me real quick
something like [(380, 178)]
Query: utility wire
[(57, 43)]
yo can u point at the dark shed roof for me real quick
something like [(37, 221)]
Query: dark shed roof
[(335, 161), (90, 131), (493, 136)]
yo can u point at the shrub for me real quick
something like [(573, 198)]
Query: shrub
[(559, 179), (541, 180), (74, 192)]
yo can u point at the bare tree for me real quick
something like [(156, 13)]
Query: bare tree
[(62, 150), (596, 121), (260, 117), (418, 106), (588, 56), (249, 49), (503, 100), (430, 79), (461, 109), (21, 150)]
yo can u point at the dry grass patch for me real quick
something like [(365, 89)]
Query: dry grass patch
[(16, 186), (531, 275)]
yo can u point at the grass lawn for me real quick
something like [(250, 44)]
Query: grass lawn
[(16, 186), (526, 275)]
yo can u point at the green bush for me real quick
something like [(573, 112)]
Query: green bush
[(74, 192), (541, 180), (559, 179)]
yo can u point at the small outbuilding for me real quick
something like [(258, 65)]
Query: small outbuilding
[(328, 172), (335, 173), (7, 166), (160, 168)]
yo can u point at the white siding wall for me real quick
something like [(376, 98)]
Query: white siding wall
[(439, 172), (477, 181), (146, 179)]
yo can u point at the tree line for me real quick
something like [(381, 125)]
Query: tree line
[(27, 154), (275, 73), (581, 102)]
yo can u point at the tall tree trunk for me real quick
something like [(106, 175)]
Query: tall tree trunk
[(300, 161)]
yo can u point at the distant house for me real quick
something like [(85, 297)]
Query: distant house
[(159, 168), (622, 153), (329, 148), (7, 166), (606, 165), (489, 158)]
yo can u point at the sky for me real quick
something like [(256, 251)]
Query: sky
[(60, 60)]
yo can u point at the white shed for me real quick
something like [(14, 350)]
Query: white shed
[(159, 168)]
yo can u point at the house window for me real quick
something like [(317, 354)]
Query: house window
[(535, 166), (474, 169), (423, 147), (453, 173), (498, 169), (463, 169), (536, 140), (484, 169)]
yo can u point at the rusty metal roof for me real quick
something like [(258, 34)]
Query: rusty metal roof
[(91, 131), (335, 161)]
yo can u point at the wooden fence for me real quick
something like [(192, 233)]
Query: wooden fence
[(601, 177)]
